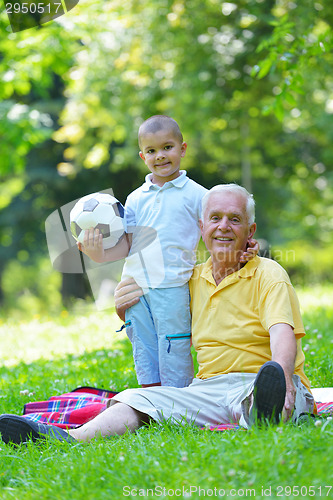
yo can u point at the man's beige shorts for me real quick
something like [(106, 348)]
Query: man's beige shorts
[(217, 400)]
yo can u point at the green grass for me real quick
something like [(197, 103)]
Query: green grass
[(48, 356)]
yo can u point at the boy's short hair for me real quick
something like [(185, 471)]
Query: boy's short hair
[(160, 122)]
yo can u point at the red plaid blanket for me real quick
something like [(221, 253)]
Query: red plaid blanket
[(69, 410), (84, 403)]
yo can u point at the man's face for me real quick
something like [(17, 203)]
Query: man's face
[(225, 228), (162, 153)]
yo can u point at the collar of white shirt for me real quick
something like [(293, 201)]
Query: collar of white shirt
[(178, 182)]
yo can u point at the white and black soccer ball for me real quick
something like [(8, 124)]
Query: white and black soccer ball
[(100, 211)]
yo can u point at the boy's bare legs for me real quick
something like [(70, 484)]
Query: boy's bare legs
[(115, 420)]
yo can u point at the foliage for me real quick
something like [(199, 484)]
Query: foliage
[(306, 263), (298, 53), (31, 66), (64, 354), (297, 58)]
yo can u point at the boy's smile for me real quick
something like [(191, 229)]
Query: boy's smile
[(162, 151)]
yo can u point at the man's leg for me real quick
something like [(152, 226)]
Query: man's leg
[(115, 420), (265, 398), (269, 393)]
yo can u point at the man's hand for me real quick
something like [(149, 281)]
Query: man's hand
[(283, 347), (93, 245), (289, 403), (126, 294), (251, 251)]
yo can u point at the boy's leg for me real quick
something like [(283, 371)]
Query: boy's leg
[(171, 312), (142, 334)]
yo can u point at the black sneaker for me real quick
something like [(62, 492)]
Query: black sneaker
[(269, 393), (16, 429)]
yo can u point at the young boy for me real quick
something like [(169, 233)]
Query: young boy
[(159, 326)]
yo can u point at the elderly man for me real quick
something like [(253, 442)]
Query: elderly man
[(246, 330)]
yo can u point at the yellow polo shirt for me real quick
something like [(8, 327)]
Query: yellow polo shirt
[(230, 322)]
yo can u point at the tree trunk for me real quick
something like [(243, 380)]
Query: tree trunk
[(74, 286)]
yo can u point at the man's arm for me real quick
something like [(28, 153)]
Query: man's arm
[(126, 294), (93, 247), (283, 348)]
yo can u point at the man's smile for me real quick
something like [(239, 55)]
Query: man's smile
[(223, 238)]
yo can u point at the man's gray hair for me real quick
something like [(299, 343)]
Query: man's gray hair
[(231, 188)]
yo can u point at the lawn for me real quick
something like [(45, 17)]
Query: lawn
[(46, 356)]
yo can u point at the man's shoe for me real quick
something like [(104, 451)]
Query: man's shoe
[(269, 393), (16, 429)]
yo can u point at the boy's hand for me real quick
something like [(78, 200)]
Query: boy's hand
[(251, 251), (92, 245)]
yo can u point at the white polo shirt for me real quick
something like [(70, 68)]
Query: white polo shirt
[(171, 214)]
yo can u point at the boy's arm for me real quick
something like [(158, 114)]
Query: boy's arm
[(251, 251), (93, 247)]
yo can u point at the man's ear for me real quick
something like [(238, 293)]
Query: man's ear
[(183, 149), (252, 230)]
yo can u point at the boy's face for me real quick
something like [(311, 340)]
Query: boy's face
[(162, 152)]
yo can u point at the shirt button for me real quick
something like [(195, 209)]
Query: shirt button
[(158, 200)]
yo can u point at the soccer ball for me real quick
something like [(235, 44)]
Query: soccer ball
[(100, 211)]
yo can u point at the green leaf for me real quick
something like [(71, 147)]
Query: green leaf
[(265, 67)]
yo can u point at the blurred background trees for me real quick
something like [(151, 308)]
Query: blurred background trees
[(249, 82)]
